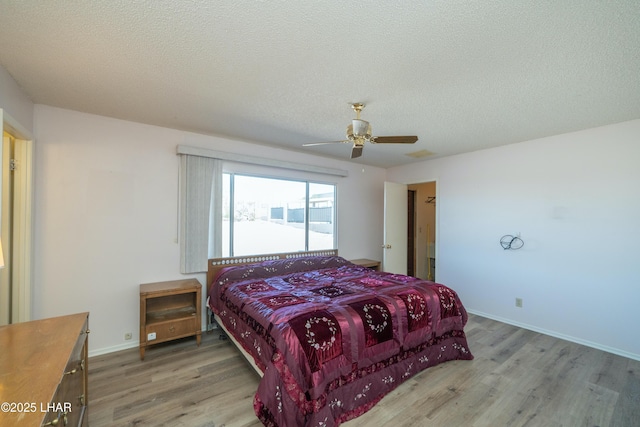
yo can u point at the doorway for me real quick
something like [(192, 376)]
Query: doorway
[(422, 211), (411, 232), (15, 233)]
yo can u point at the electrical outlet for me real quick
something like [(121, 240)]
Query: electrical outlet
[(519, 302), (128, 336), (151, 336)]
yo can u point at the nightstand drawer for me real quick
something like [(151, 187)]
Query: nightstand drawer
[(173, 329)]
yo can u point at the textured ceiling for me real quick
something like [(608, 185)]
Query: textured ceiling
[(461, 75)]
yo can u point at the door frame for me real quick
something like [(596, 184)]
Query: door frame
[(422, 264), (22, 248), (419, 266)]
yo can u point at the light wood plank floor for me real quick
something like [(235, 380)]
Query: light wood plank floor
[(518, 378)]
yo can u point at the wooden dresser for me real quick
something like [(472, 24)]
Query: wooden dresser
[(43, 372)]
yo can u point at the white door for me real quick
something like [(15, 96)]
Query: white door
[(394, 254)]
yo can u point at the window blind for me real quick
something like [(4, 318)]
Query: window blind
[(200, 189)]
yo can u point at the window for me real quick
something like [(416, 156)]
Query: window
[(270, 215)]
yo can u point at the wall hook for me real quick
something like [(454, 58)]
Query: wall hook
[(511, 242)]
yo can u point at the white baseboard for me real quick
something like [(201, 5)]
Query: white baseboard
[(105, 350), (125, 346), (559, 335)]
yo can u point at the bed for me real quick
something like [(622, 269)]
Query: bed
[(331, 338)]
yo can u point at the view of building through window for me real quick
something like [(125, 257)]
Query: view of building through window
[(267, 215)]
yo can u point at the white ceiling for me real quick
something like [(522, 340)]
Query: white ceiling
[(462, 75)]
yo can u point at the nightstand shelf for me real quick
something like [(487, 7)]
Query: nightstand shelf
[(170, 315), (168, 311)]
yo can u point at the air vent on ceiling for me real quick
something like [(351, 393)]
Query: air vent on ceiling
[(420, 154)]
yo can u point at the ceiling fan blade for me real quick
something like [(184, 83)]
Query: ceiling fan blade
[(325, 143), (394, 139), (357, 151)]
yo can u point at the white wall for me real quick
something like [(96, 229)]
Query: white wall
[(575, 199), (106, 203)]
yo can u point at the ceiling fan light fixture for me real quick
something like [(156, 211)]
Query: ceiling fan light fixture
[(361, 127)]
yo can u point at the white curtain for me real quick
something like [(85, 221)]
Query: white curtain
[(200, 195)]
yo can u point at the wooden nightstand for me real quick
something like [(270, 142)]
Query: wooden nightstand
[(369, 263), (168, 311)]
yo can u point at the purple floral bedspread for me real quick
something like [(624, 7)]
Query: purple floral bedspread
[(333, 338)]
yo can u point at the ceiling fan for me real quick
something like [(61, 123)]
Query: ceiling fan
[(359, 132)]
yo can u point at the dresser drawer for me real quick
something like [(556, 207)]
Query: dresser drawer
[(71, 392), (70, 400)]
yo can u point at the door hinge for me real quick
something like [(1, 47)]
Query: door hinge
[(12, 164)]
